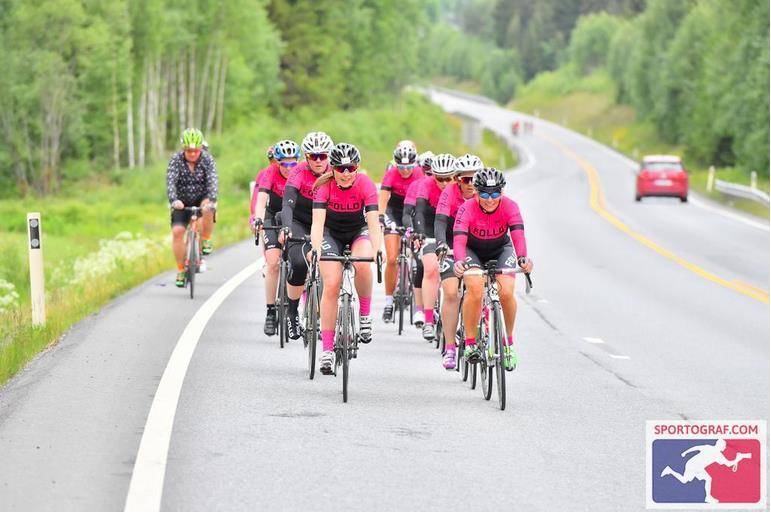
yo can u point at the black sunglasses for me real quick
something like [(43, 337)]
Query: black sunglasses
[(466, 180), (317, 157)]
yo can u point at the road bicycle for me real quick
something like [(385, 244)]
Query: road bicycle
[(282, 301), (404, 295), (311, 313), (346, 334), (193, 247), (491, 334)]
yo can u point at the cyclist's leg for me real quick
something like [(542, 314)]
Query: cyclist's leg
[(362, 246), (417, 283), (472, 300), (298, 266), (392, 241), (430, 282), (508, 258), (331, 277), (272, 259), (450, 309), (207, 222), (179, 221)]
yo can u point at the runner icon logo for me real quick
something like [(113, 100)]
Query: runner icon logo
[(706, 471)]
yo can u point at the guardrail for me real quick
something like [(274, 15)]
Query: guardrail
[(745, 192)]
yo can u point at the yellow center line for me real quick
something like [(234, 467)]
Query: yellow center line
[(597, 202)]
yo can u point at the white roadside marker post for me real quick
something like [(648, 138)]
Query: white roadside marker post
[(36, 276)]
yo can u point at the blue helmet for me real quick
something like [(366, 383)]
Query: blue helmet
[(286, 149)]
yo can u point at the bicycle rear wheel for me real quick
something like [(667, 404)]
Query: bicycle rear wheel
[(192, 261), (497, 343), (311, 323)]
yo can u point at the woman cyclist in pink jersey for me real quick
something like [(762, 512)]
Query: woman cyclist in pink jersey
[(443, 168), (453, 196), (344, 214), (297, 216), (270, 192), (485, 229), (408, 221), (398, 178)]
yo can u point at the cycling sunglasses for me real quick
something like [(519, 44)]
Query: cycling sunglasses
[(287, 164), (494, 194), (467, 180), (343, 169), (317, 157), (405, 167), (443, 179)]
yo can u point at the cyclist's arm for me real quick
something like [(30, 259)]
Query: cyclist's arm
[(212, 181), (517, 232), (407, 214), (420, 219), (459, 241), (317, 228), (171, 182), (373, 223), (440, 228), (287, 205), (385, 195), (262, 201)]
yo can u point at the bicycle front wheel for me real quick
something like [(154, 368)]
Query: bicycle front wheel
[(192, 261), (497, 343), (346, 338), (485, 365), (311, 327)]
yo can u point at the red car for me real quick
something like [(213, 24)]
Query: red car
[(662, 176)]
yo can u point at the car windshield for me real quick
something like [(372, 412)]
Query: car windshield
[(662, 166)]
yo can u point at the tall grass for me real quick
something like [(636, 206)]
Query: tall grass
[(108, 232)]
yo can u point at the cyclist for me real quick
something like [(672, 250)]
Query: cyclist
[(443, 168), (451, 199), (408, 221), (191, 180), (485, 229), (344, 214), (297, 216), (268, 206), (396, 181)]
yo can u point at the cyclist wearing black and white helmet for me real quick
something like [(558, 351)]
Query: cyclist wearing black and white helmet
[(443, 169), (297, 216), (397, 180), (489, 227)]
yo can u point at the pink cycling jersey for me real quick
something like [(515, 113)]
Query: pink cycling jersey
[(257, 179), (298, 196), (346, 207), (425, 206), (450, 201), (484, 233), (398, 185), (272, 182)]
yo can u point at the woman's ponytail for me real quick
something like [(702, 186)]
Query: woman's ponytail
[(323, 179)]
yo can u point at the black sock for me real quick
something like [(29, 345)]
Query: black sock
[(294, 305), (273, 306)]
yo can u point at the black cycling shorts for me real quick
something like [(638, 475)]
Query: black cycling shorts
[(506, 257), (271, 235), (182, 217), (333, 245)]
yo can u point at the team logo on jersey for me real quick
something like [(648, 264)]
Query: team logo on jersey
[(695, 464)]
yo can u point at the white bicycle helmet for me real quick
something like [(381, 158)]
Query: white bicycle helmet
[(317, 142), (468, 163), (443, 165)]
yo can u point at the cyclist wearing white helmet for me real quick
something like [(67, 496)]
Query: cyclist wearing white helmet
[(443, 168), (297, 217), (451, 199), (397, 180)]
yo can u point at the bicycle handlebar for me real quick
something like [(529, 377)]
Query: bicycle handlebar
[(502, 270)]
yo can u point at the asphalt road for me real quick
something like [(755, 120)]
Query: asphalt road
[(628, 322)]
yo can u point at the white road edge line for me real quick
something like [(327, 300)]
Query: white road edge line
[(594, 340), (146, 487), (620, 357)]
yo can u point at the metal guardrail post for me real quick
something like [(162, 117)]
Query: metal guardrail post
[(711, 179), (36, 275)]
